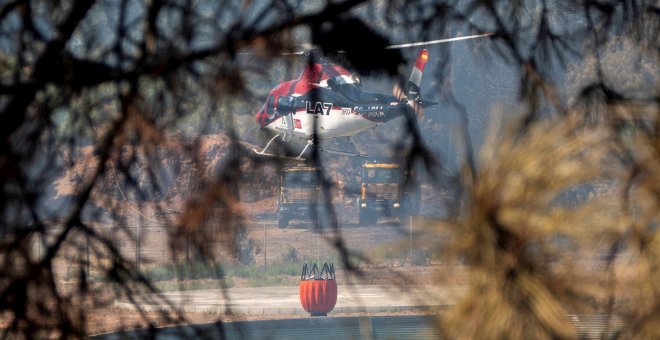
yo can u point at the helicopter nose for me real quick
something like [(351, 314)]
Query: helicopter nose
[(260, 118), (265, 114)]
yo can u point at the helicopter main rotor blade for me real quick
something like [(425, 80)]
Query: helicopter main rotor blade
[(439, 41), (306, 48)]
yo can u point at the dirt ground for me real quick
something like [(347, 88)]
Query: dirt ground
[(113, 319)]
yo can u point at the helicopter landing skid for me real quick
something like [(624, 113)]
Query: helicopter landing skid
[(264, 153), (309, 143)]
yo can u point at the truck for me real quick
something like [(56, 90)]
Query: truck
[(298, 194), (381, 192)]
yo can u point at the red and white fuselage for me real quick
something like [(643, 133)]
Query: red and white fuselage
[(327, 101)]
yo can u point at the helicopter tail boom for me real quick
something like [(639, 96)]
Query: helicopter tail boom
[(416, 76)]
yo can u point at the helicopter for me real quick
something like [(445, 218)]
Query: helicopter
[(327, 102)]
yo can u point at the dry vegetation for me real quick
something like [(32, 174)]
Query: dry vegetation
[(111, 115)]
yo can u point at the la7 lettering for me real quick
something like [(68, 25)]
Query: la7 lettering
[(319, 108)]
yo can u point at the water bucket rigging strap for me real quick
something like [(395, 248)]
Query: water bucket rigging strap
[(312, 272)]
